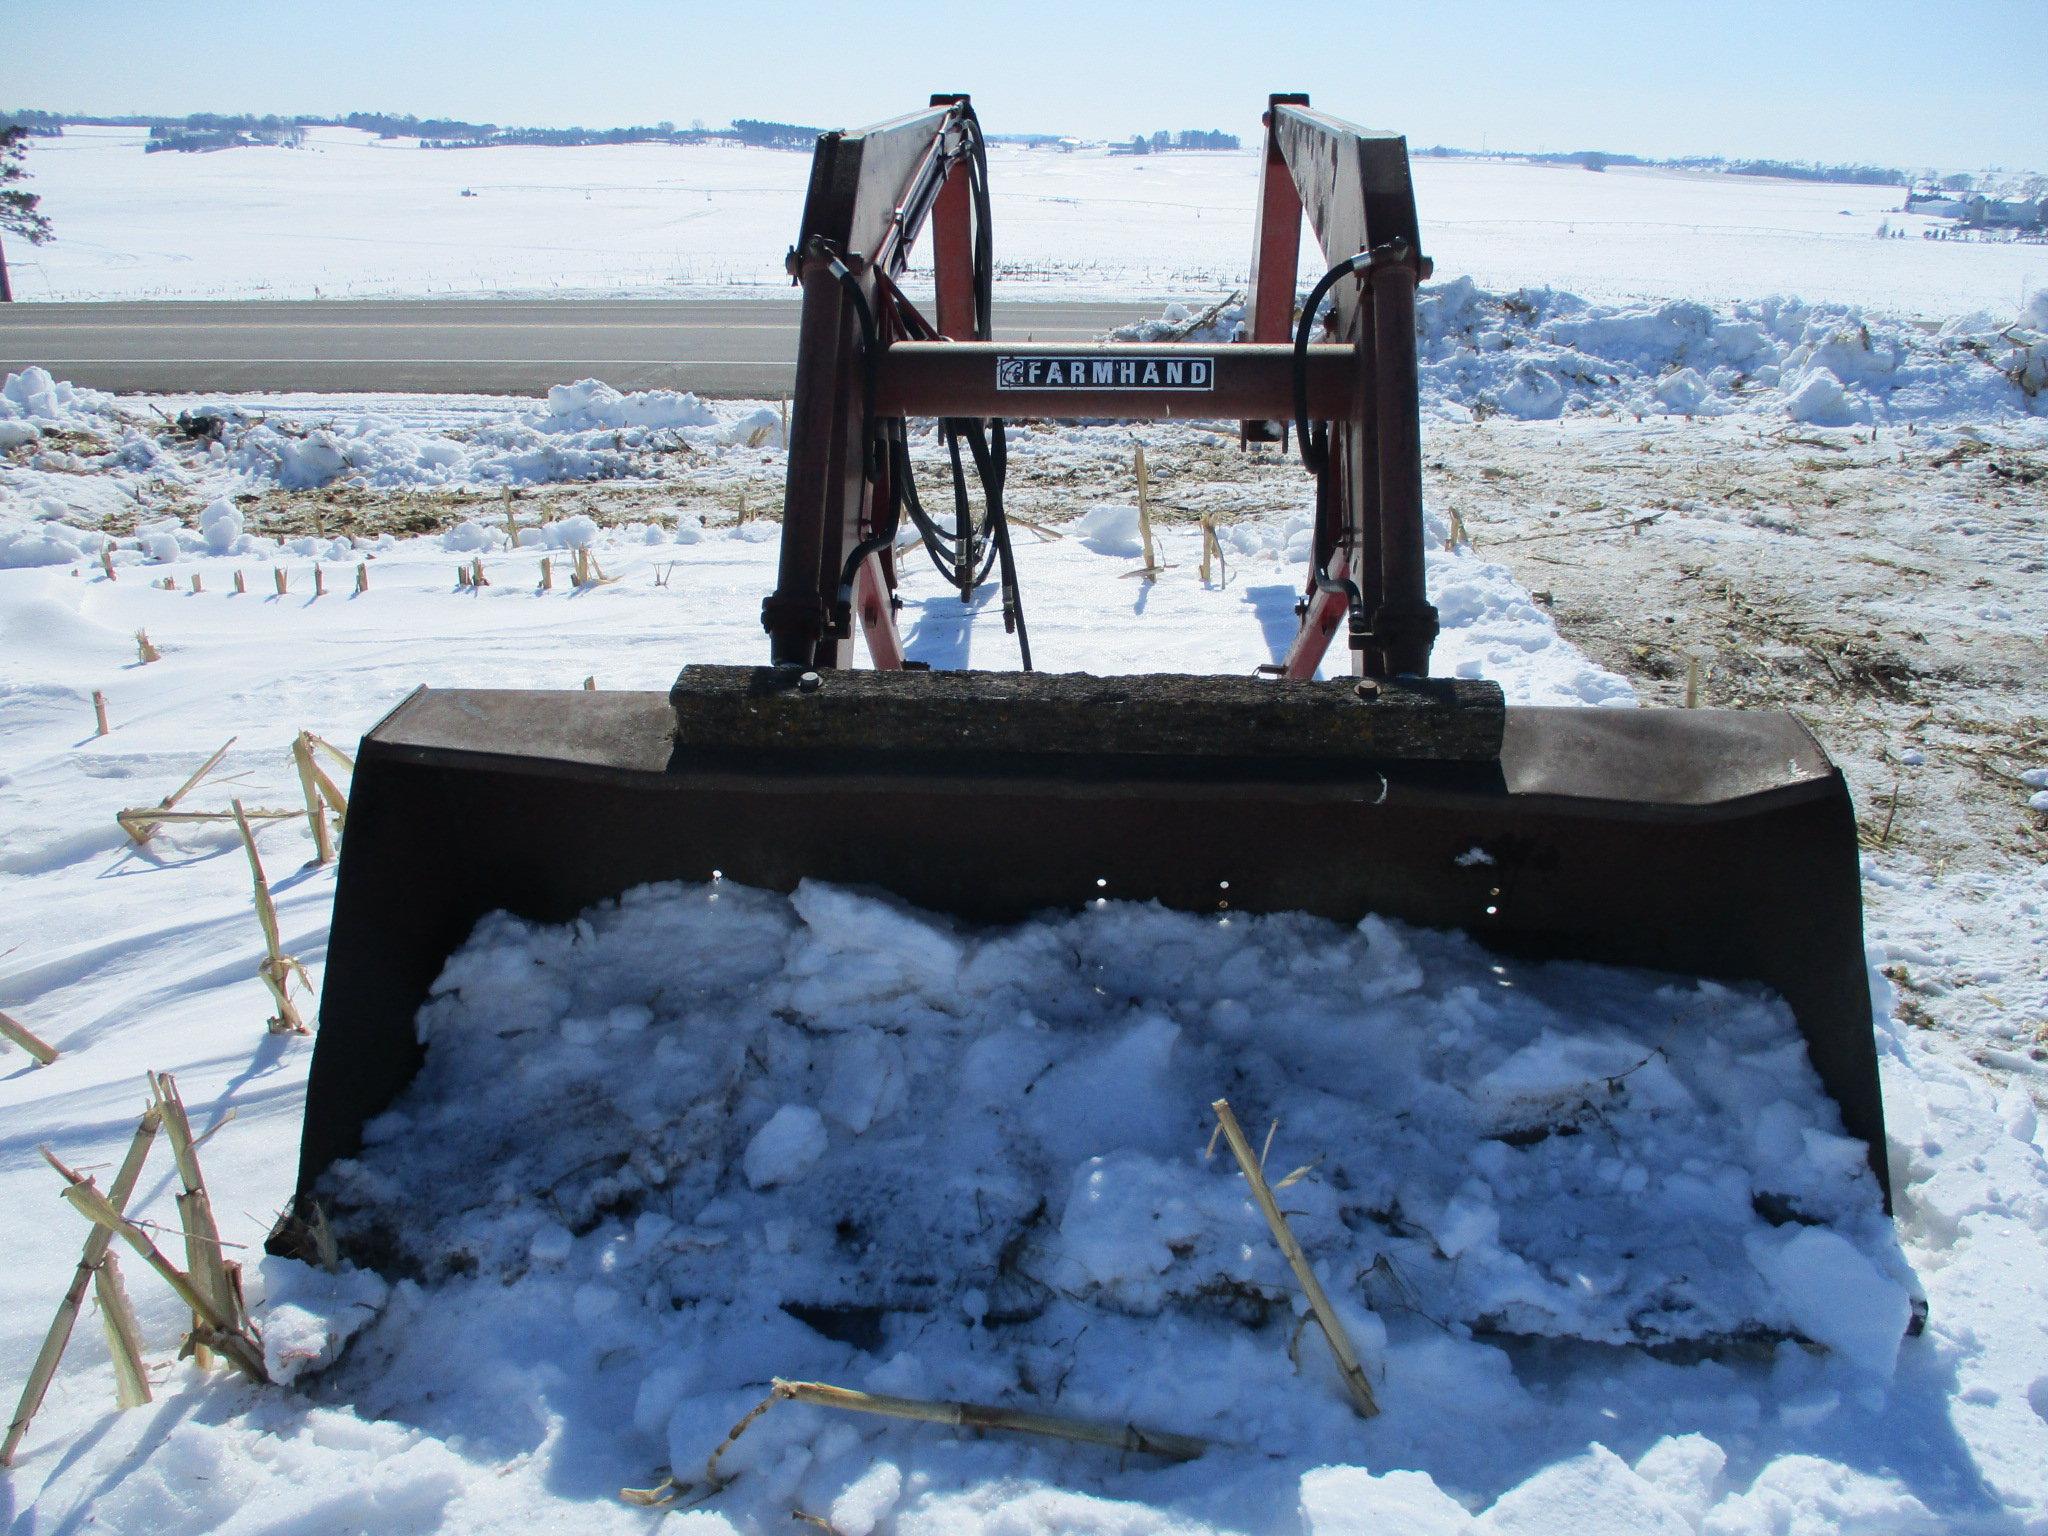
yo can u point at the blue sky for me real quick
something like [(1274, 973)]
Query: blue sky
[(1951, 84)]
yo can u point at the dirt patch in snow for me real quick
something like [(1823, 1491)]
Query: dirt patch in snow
[(1888, 588)]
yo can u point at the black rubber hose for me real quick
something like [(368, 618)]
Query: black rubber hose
[(869, 347), (984, 238), (1315, 445), (1315, 448), (966, 555), (1013, 592)]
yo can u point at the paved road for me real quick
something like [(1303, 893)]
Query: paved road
[(713, 346)]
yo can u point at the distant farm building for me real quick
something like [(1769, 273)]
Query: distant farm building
[(1976, 211)]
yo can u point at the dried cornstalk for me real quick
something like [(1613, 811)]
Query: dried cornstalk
[(146, 651), (1119, 1437), (669, 1491), (462, 576), (138, 819), (124, 1335), (212, 1275), (99, 713), (319, 580), (276, 968), (316, 806), (278, 978), (333, 751), (476, 573), (241, 582), (1319, 1303), (590, 684), (266, 911), (659, 1496), (243, 1349), (13, 1029), (337, 802), (1188, 327), (1145, 512), (362, 577), (1212, 553), (107, 561), (139, 824), (197, 584), (283, 581), (329, 790), (1151, 568), (97, 1245), (547, 573)]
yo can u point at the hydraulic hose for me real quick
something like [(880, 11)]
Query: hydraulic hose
[(964, 555), (1315, 441), (1315, 446)]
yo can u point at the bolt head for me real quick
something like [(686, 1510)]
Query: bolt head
[(810, 682)]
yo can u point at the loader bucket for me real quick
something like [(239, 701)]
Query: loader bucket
[(1704, 842), (1701, 842)]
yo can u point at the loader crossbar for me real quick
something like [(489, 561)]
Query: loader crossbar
[(1138, 381)]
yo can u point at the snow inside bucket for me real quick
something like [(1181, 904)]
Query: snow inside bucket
[(888, 1124)]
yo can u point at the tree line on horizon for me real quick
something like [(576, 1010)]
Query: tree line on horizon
[(1851, 174), (227, 130)]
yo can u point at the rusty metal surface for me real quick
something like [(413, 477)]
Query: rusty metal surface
[(1705, 843), (1353, 182), (795, 614), (1276, 239), (1276, 255), (1319, 623), (858, 183), (1354, 187), (1404, 624), (953, 255), (874, 609)]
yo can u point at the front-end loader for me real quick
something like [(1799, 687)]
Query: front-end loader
[(1707, 842)]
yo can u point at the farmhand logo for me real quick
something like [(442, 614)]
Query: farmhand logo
[(1086, 371)]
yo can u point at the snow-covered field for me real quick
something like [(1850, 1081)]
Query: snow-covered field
[(350, 215), (1603, 1330)]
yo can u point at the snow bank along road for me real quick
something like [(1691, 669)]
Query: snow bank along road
[(710, 346)]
